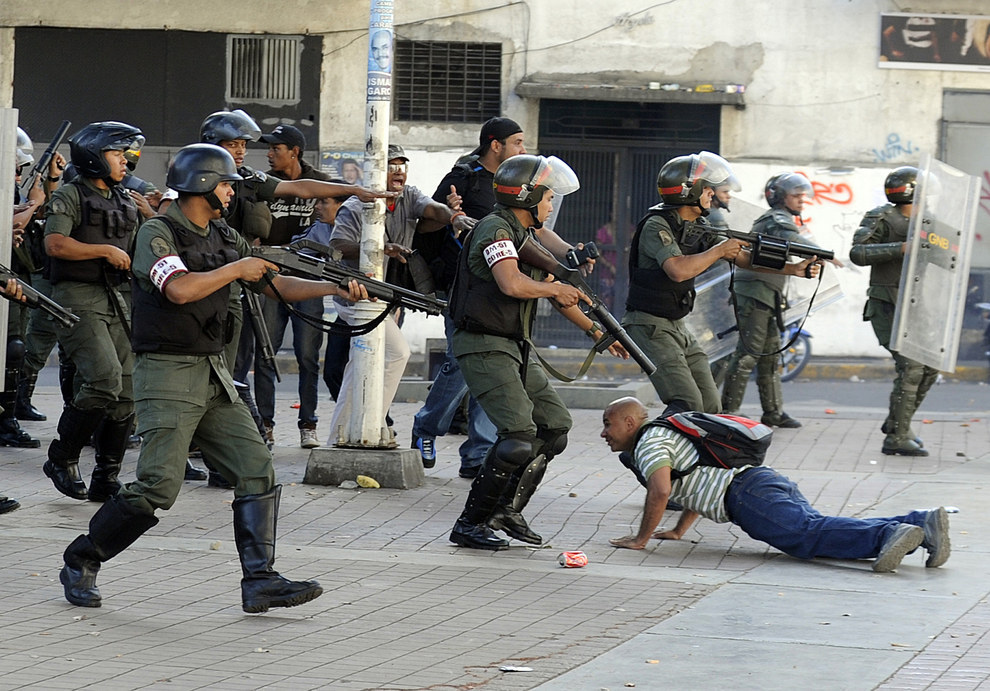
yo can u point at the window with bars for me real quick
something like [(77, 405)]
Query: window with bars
[(443, 81), (264, 69)]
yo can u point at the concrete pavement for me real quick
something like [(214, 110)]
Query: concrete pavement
[(405, 609)]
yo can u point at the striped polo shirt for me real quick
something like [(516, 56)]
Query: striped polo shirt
[(703, 490)]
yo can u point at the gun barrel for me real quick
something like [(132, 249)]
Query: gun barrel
[(42, 163), (614, 329)]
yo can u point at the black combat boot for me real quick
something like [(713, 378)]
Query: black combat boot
[(112, 529), (255, 518), (193, 473), (11, 433), (110, 443), (66, 377), (75, 427), (507, 516), (23, 408), (472, 529)]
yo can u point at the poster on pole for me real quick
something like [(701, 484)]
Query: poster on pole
[(380, 39)]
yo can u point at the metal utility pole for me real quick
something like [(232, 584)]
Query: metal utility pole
[(365, 427)]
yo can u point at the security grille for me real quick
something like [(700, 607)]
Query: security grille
[(264, 69), (442, 81)]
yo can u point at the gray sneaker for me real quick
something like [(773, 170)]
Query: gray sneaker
[(308, 438), (936, 537), (906, 537)]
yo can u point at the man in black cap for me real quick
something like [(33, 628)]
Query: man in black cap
[(291, 216), (469, 183)]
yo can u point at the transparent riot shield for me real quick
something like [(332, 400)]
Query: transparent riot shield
[(935, 274)]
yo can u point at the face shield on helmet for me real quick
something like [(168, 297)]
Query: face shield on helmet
[(790, 190), (229, 125), (683, 180), (709, 168), (24, 142)]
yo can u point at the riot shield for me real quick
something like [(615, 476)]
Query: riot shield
[(935, 273)]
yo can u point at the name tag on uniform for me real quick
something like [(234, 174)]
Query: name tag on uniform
[(164, 269), (499, 250)]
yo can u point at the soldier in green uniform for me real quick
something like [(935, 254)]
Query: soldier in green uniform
[(880, 243), (492, 306), (89, 229), (759, 299), (184, 264), (663, 264)]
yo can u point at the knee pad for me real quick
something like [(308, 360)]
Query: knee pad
[(554, 442), (15, 352), (512, 453)]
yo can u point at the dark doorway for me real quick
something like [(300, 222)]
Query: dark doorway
[(616, 148)]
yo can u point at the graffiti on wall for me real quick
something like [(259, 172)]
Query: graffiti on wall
[(894, 149)]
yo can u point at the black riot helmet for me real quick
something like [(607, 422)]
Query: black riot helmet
[(682, 180), (228, 125), (521, 181), (86, 147), (779, 186), (199, 168), (900, 183)]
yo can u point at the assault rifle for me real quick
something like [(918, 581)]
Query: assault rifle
[(307, 259), (533, 253), (765, 250), (41, 165), (36, 300)]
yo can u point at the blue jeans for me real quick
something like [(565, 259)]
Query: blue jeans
[(306, 343), (434, 418), (769, 507)]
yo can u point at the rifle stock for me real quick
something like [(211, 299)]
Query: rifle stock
[(535, 254), (41, 165), (297, 262), (36, 300), (766, 250)]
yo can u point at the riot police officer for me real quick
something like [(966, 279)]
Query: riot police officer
[(184, 265), (492, 307), (759, 300), (89, 229), (880, 243), (663, 263)]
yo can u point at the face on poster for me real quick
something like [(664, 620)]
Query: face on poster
[(346, 165), (935, 42)]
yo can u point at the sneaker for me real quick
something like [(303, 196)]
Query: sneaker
[(905, 538), (269, 435), (936, 540), (7, 505), (426, 451), (307, 438), (469, 472)]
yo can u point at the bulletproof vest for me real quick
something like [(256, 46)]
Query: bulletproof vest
[(158, 325), (479, 306), (105, 221), (652, 290), (247, 213)]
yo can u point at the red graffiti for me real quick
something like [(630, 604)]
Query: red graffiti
[(834, 193)]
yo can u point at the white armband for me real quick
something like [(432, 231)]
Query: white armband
[(164, 269), (499, 250)]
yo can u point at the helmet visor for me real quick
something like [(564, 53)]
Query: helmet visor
[(556, 175), (247, 127), (24, 142), (711, 168), (795, 184), (132, 145)]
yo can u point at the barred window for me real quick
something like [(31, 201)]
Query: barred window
[(444, 81), (264, 69)]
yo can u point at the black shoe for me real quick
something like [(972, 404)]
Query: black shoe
[(782, 420), (674, 505), (512, 523), (26, 411), (217, 480), (66, 480), (7, 505), (79, 573), (469, 472), (11, 434), (194, 473), (258, 595), (476, 537), (134, 441)]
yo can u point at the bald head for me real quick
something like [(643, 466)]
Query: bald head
[(621, 420)]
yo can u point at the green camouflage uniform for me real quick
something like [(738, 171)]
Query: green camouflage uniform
[(877, 244)]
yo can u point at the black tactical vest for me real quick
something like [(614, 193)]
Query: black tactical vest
[(105, 221), (652, 290), (197, 328), (480, 306)]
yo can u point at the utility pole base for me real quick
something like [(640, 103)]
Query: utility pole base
[(392, 468)]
